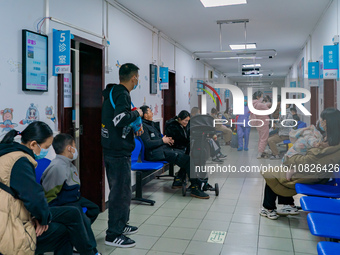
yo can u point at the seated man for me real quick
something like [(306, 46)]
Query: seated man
[(158, 148), (61, 182)]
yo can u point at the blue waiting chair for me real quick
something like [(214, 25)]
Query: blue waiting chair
[(40, 169), (324, 225), (142, 158), (328, 248), (320, 205), (330, 189), (140, 168)]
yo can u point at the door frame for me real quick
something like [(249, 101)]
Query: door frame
[(61, 109)]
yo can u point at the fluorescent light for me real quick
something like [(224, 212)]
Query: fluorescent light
[(242, 46), (216, 3), (251, 65)]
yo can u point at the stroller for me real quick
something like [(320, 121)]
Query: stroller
[(201, 127)]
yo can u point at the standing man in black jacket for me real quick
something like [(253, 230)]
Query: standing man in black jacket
[(117, 154)]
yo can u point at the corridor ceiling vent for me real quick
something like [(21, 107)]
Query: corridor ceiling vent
[(218, 3)]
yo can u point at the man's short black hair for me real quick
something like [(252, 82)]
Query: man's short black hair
[(126, 71), (61, 141), (293, 110), (144, 109)]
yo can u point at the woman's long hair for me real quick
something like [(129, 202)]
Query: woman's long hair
[(36, 131), (332, 117)]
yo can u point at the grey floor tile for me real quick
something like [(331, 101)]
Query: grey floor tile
[(170, 245), (241, 239), (130, 251), (248, 219), (162, 253), (273, 252), (99, 225), (140, 218), (273, 231), (186, 223), (105, 249), (237, 250), (191, 214), (202, 235), (218, 216), (251, 229), (214, 225), (200, 248), (305, 246), (303, 234), (143, 209), (152, 230), (160, 220), (144, 242), (168, 212), (275, 243), (179, 233)]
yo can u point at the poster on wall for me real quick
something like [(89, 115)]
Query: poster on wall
[(68, 90), (34, 61)]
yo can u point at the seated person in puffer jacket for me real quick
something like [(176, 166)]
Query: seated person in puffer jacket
[(61, 182)]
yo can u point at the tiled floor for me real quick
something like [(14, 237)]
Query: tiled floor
[(182, 225)]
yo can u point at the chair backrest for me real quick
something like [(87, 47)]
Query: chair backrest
[(136, 151), (40, 169), (301, 124), (142, 148)]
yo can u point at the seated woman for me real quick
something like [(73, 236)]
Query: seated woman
[(177, 129), (36, 228), (282, 184)]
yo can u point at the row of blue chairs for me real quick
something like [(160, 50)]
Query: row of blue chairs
[(324, 217), (142, 167)]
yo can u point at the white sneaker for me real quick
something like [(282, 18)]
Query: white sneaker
[(288, 210), (270, 214), (275, 157), (268, 151), (259, 155)]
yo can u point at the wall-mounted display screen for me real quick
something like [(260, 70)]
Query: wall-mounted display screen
[(153, 79), (34, 61)]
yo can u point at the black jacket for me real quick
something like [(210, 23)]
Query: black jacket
[(24, 184), (152, 139), (179, 134), (114, 120)]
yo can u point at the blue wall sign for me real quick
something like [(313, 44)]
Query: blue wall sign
[(164, 76), (313, 74), (227, 93), (61, 51), (330, 61), (293, 84)]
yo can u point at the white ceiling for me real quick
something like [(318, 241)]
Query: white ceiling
[(283, 25)]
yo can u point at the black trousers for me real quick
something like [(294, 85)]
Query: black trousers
[(269, 201), (88, 218), (65, 231), (118, 171), (179, 158)]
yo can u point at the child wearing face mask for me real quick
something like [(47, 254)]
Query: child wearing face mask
[(61, 182)]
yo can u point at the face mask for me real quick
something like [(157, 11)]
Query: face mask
[(75, 154), (136, 85), (245, 103), (43, 153)]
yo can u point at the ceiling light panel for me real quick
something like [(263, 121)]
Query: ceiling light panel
[(251, 65), (216, 3), (242, 46)]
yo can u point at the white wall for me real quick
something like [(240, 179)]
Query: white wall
[(130, 42), (322, 35)]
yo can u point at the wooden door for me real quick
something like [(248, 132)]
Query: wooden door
[(169, 99), (329, 94), (314, 105)]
